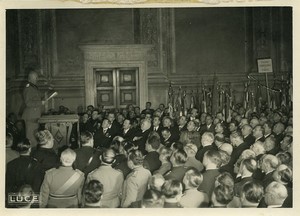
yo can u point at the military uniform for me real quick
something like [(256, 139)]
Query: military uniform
[(32, 111), (62, 188), (135, 186), (112, 181)]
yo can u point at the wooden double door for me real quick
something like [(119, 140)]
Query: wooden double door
[(116, 87)]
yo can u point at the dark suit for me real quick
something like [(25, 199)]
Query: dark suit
[(83, 157), (115, 129), (175, 134), (46, 157), (176, 173), (205, 128), (152, 162), (141, 142), (268, 178), (23, 170), (91, 125), (200, 154), (249, 140), (261, 139), (128, 136), (184, 128), (237, 151), (101, 139), (168, 142), (208, 184)]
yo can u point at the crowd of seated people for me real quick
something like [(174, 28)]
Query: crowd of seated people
[(134, 158)]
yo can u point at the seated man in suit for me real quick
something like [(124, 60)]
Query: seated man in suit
[(271, 146), (156, 125), (268, 166), (212, 162), (128, 132), (247, 135), (167, 139), (258, 133), (208, 127), (142, 135), (207, 141), (182, 123), (267, 129), (254, 122), (92, 123), (103, 136), (174, 130), (238, 147), (114, 125)]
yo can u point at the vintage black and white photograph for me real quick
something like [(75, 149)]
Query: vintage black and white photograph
[(161, 107)]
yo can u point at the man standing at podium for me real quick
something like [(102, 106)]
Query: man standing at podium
[(33, 105)]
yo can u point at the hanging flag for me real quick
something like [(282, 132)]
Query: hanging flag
[(215, 105), (192, 105)]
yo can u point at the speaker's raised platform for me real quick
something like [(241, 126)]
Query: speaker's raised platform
[(60, 127)]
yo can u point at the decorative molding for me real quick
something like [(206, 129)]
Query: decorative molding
[(150, 33), (115, 56)]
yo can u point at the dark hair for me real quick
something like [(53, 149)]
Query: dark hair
[(250, 164), (284, 157), (214, 156), (131, 121), (226, 179), (253, 192), (171, 188), (23, 145), (85, 137), (152, 198), (180, 156), (177, 145), (286, 175), (93, 191), (154, 140), (128, 146), (223, 194)]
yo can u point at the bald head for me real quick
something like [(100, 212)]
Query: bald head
[(33, 77)]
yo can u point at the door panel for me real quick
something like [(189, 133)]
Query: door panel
[(117, 87)]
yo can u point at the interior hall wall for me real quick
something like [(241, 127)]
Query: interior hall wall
[(222, 42), (75, 27)]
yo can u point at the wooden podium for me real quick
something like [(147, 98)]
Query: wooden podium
[(60, 127)]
